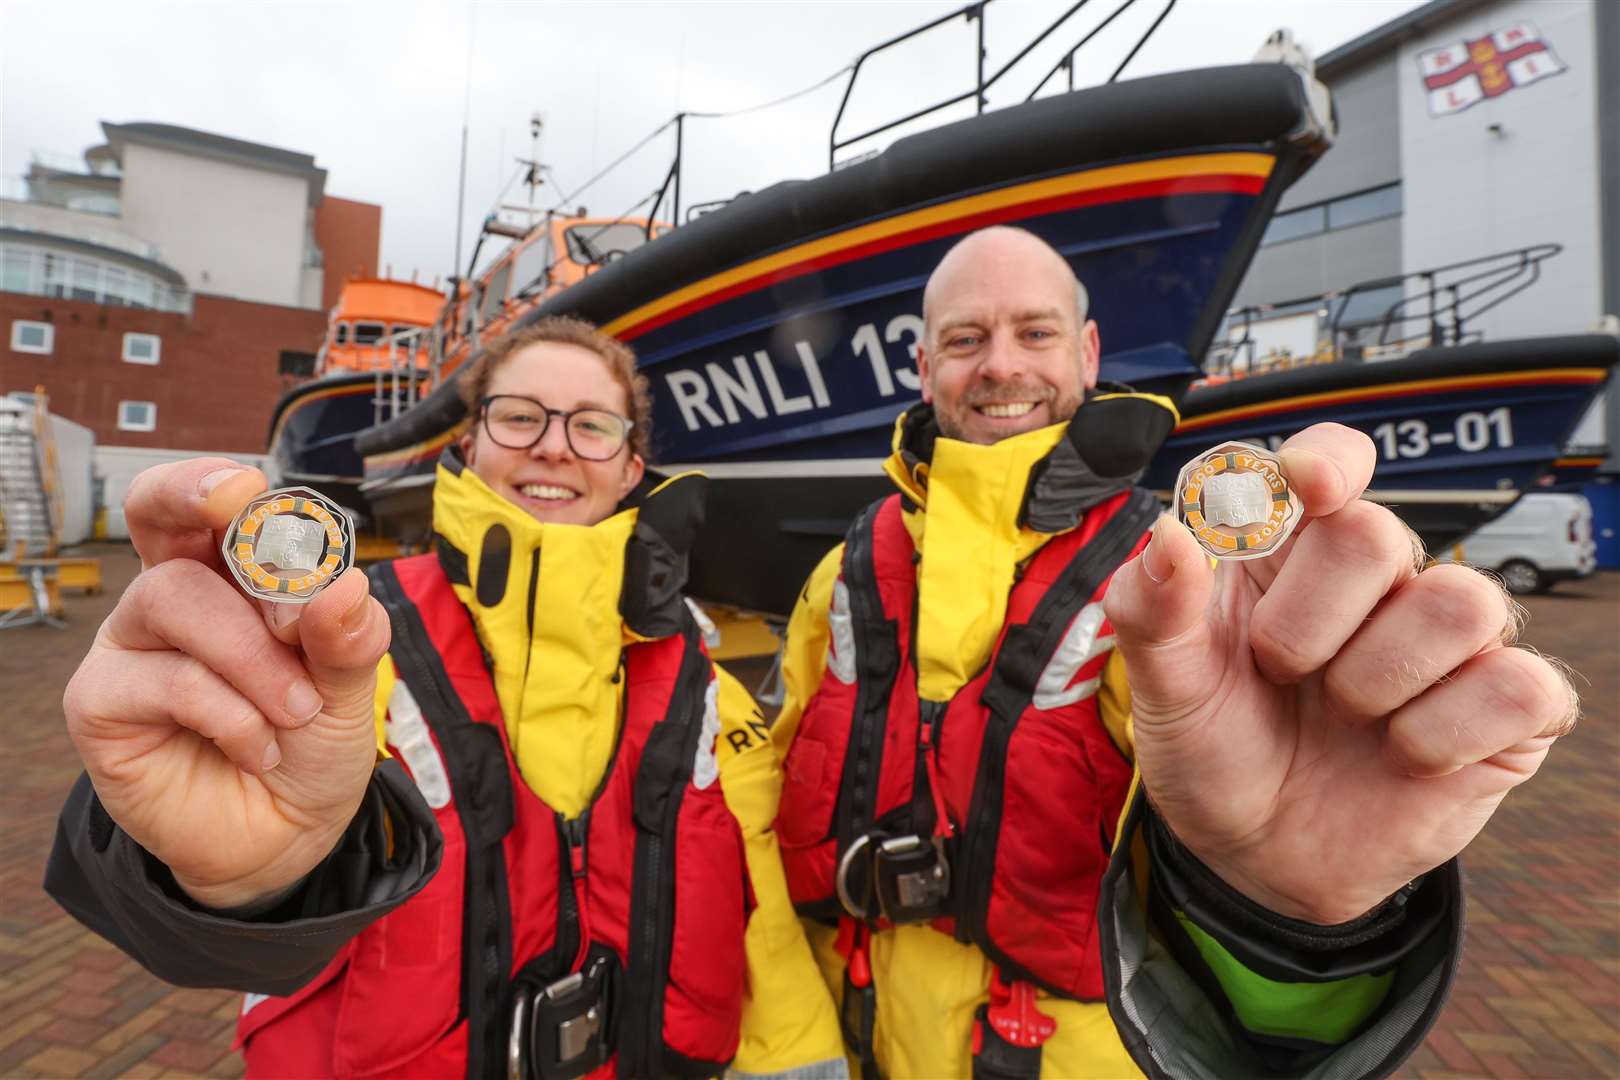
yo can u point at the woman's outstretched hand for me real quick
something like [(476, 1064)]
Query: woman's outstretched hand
[(232, 738)]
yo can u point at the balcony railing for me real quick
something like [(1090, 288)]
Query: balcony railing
[(41, 272)]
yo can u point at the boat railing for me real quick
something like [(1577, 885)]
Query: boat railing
[(1438, 306), (975, 13), (462, 322), (412, 372)]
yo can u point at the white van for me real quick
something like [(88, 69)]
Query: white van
[(1543, 538)]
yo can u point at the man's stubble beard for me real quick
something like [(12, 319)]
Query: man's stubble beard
[(1062, 408)]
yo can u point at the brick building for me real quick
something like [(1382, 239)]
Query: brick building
[(163, 293)]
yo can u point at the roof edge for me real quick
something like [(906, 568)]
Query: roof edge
[(1381, 39), (219, 147)]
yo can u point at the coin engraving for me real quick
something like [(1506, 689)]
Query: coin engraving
[(1237, 502), (287, 545)]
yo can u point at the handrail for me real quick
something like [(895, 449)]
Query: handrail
[(975, 12), (1446, 306)]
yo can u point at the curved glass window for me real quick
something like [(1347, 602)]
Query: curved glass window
[(43, 271)]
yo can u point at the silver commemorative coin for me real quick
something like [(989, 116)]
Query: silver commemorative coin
[(289, 544), (1237, 502)]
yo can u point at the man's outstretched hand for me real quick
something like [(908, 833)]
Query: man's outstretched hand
[(1324, 725), (231, 738)]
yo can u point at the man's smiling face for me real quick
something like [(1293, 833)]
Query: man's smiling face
[(1004, 348)]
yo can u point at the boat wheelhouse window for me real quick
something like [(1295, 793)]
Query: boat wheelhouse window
[(341, 336), (1364, 206), (369, 333), (494, 294), (594, 243), (529, 265), (1295, 224)]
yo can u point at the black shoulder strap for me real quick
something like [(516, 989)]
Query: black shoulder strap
[(877, 665), (1029, 646), (660, 787)]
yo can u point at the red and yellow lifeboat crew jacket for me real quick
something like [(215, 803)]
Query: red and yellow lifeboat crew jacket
[(961, 821), (611, 900)]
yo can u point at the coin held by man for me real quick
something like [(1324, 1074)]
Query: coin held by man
[(1236, 501), (289, 544)]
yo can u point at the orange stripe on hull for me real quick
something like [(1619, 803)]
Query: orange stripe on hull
[(1196, 174), (1554, 376)]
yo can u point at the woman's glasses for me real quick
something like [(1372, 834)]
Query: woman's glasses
[(518, 423)]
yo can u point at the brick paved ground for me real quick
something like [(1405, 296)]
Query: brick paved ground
[(1538, 996)]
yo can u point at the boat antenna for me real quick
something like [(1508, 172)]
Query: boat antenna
[(466, 113), (533, 178)]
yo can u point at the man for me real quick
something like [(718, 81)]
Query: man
[(988, 885)]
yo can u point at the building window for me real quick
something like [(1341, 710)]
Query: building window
[(137, 416), (1372, 307), (1340, 213), (41, 272), (1294, 224), (297, 363), (32, 337), (142, 348), (1367, 206)]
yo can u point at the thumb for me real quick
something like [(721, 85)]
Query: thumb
[(1157, 603), (344, 633)]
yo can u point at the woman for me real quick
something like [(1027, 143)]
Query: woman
[(605, 899)]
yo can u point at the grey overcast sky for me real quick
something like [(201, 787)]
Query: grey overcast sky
[(378, 91)]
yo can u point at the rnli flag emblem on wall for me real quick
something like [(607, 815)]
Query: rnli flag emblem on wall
[(1465, 73)]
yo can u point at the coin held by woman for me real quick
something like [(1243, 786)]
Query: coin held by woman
[(289, 544), (1236, 501)]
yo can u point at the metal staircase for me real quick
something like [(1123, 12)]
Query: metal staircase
[(30, 503)]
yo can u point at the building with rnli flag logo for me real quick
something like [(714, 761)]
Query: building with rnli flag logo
[(1470, 198)]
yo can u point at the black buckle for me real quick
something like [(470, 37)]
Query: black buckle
[(907, 878), (913, 879), (559, 1031)]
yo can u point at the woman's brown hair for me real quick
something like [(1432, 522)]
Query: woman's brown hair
[(567, 330)]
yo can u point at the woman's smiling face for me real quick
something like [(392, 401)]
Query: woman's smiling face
[(549, 480)]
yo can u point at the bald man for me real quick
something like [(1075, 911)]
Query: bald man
[(1062, 799)]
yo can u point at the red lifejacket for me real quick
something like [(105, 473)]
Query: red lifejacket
[(644, 895), (1015, 780)]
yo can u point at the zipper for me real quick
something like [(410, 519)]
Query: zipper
[(573, 834), (930, 720)]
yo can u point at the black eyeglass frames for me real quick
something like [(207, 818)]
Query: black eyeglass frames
[(518, 423)]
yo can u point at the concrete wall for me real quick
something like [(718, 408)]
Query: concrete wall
[(109, 232), (117, 466), (215, 385), (1365, 155), (1367, 152), (231, 230), (1470, 191), (1313, 265)]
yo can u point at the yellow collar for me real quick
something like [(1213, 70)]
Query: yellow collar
[(553, 611)]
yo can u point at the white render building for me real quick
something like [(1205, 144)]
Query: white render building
[(1469, 128)]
